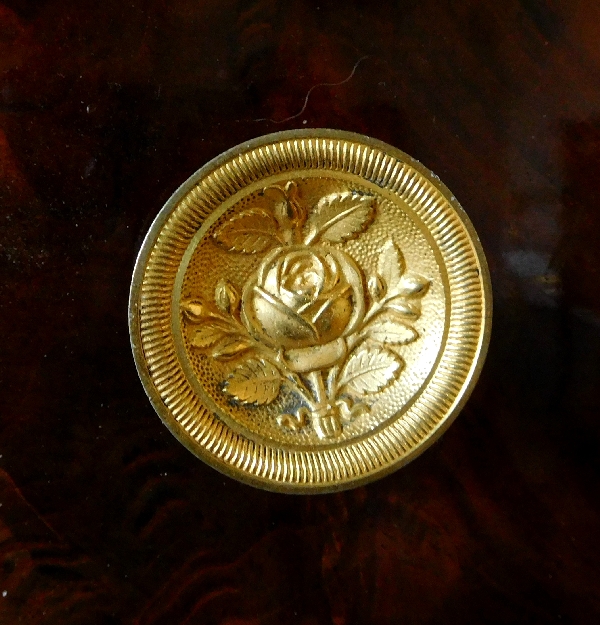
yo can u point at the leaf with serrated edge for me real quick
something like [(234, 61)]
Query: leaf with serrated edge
[(207, 336), (370, 369), (393, 332), (413, 286), (390, 265), (254, 382), (408, 310), (251, 231), (339, 217), (230, 347)]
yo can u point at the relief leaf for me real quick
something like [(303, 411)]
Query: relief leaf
[(370, 369), (413, 286), (207, 336), (408, 310), (339, 217), (390, 265), (254, 382), (226, 297), (252, 231), (392, 332), (230, 347)]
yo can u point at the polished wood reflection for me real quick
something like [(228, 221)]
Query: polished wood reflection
[(107, 107)]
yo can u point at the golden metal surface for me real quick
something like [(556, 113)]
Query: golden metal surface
[(310, 310)]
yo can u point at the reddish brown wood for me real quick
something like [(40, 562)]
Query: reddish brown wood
[(105, 107)]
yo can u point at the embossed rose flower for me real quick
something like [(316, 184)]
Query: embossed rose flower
[(302, 301), (303, 318)]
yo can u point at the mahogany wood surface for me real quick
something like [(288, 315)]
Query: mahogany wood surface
[(105, 108)]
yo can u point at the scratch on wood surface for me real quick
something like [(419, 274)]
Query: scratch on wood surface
[(321, 84)]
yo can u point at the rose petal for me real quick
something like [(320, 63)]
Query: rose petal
[(332, 275), (279, 322), (330, 315), (270, 280)]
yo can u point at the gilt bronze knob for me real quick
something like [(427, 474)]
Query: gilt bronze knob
[(310, 310)]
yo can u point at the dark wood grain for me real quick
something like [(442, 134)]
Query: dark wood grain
[(105, 107)]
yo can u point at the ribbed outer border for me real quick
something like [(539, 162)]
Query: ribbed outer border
[(351, 462)]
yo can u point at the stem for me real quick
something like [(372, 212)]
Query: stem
[(351, 341), (377, 306), (316, 380), (291, 376), (331, 380), (302, 394), (301, 389)]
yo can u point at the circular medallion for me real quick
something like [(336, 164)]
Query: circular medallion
[(310, 310)]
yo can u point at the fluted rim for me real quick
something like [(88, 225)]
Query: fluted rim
[(352, 462)]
